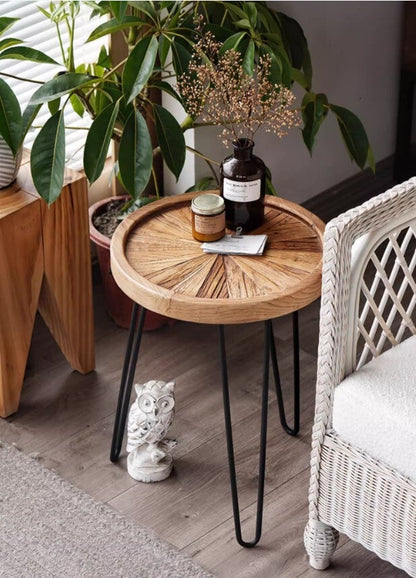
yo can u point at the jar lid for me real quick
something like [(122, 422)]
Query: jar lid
[(208, 204)]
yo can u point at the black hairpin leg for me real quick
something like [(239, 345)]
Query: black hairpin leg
[(296, 390), (127, 377), (269, 351), (230, 445)]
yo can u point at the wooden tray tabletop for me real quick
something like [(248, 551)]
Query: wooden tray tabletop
[(156, 261)]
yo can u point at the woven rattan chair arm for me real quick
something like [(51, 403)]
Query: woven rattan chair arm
[(340, 234)]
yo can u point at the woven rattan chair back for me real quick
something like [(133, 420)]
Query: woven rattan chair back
[(382, 291)]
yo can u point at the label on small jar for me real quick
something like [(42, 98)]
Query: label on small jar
[(241, 191), (209, 224)]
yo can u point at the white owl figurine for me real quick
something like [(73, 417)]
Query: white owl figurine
[(150, 417)]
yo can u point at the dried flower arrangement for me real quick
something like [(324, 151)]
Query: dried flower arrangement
[(217, 90)]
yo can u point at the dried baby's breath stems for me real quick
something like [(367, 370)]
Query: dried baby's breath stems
[(217, 90)]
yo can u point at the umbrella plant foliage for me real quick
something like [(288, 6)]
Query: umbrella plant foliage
[(159, 39)]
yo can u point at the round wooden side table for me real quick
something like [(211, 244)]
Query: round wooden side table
[(157, 263)]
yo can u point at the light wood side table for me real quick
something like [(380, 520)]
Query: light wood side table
[(157, 263), (45, 264)]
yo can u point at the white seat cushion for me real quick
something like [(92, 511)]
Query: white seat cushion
[(375, 408)]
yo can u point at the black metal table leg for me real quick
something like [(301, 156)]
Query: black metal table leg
[(296, 389), (230, 444), (127, 377)]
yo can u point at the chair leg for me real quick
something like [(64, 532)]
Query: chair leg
[(320, 542)]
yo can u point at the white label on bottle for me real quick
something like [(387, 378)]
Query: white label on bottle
[(241, 192)]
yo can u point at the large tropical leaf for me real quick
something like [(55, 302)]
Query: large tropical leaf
[(353, 134), (314, 112), (296, 46), (139, 67), (135, 155), (59, 86), (98, 142), (10, 117), (47, 159), (171, 139), (27, 53)]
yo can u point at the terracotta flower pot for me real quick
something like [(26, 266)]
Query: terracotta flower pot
[(118, 305)]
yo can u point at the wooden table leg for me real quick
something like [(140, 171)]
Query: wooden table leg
[(66, 298), (21, 270)]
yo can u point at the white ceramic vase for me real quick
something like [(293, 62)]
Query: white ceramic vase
[(9, 164)]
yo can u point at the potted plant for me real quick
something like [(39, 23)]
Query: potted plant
[(159, 38)]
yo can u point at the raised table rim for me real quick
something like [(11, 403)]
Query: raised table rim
[(210, 310)]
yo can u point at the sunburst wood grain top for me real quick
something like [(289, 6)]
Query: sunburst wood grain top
[(156, 261)]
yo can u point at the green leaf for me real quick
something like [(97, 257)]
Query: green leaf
[(54, 105), (314, 112), (114, 25), (181, 58), (248, 60), (77, 105), (139, 67), (204, 184), (166, 87), (6, 23), (270, 190), (135, 155), (232, 42), (171, 139), (164, 47), (10, 117), (353, 134), (299, 77), (147, 8), (243, 23), (251, 11), (296, 46), (26, 53), (234, 9), (119, 9), (47, 160), (98, 142), (6, 42), (29, 115), (270, 21), (276, 68), (103, 58), (221, 33), (59, 86)]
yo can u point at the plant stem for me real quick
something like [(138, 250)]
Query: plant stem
[(210, 162)]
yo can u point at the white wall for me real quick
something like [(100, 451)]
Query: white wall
[(355, 48)]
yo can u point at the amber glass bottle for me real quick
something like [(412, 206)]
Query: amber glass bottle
[(243, 186)]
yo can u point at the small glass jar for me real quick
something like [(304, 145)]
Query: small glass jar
[(208, 217)]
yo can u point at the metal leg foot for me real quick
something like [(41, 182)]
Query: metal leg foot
[(296, 375), (127, 377), (230, 444)]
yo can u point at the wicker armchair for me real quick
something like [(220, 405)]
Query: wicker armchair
[(363, 460)]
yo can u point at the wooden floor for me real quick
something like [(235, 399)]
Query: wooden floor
[(67, 419)]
